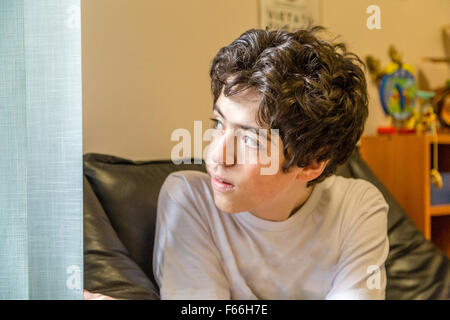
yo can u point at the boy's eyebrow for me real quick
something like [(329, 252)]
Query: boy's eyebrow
[(261, 132)]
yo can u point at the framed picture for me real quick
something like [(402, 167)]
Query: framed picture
[(291, 14)]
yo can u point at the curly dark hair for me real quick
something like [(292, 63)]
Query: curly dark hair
[(313, 91)]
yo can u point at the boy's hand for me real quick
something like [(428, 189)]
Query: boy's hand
[(95, 296)]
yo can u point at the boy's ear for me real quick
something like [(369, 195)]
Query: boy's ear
[(312, 171)]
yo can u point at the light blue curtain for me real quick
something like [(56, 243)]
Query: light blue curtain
[(41, 199)]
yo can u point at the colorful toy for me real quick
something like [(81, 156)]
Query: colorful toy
[(396, 85), (398, 94), (424, 116)]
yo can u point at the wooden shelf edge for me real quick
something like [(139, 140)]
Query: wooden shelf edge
[(443, 138), (440, 210)]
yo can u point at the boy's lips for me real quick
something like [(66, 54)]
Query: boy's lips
[(221, 184), (221, 179)]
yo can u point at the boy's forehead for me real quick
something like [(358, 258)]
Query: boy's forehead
[(243, 105)]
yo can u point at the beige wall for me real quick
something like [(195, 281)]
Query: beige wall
[(145, 69), (145, 62)]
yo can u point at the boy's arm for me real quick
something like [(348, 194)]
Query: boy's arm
[(360, 272), (186, 262)]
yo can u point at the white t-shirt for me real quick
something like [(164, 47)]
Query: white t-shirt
[(333, 247)]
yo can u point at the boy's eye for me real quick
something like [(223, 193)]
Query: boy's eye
[(249, 141), (217, 124)]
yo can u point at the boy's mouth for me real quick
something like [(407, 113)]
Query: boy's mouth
[(221, 184)]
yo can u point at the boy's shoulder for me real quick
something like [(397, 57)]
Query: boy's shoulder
[(357, 199), (186, 197), (185, 184), (351, 187), (192, 178)]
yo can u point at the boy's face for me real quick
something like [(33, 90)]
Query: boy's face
[(248, 189)]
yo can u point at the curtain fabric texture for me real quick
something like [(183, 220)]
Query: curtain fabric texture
[(41, 207)]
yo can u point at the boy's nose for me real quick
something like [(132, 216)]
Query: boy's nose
[(224, 149)]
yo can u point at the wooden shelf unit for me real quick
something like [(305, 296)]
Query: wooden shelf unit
[(402, 162)]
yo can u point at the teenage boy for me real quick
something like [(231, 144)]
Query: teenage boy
[(301, 232)]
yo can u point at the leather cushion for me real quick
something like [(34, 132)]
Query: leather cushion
[(128, 191), (108, 268)]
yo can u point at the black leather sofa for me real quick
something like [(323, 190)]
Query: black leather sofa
[(120, 198)]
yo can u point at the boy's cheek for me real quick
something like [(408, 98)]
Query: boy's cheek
[(251, 174), (257, 187)]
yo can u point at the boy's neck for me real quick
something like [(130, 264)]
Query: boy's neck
[(283, 207)]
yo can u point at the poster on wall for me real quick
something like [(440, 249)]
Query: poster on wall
[(291, 14)]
